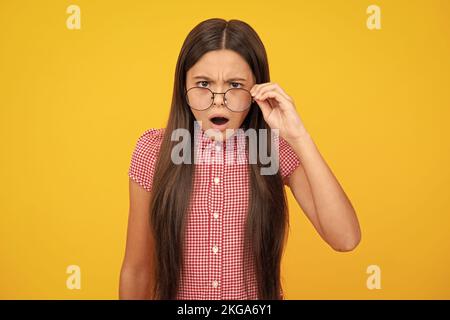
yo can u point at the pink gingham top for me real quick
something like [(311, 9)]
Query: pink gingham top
[(217, 266)]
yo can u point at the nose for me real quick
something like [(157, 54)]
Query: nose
[(219, 99)]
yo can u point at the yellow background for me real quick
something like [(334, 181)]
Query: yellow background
[(74, 102)]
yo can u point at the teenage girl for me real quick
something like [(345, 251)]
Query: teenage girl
[(216, 230)]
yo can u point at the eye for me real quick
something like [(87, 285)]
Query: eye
[(199, 83), (236, 83)]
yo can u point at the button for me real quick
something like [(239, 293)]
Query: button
[(216, 215), (218, 147), (216, 180), (215, 249), (215, 283)]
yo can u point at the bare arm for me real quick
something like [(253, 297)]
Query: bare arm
[(136, 278), (313, 184), (322, 199)]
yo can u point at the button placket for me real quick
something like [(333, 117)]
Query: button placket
[(199, 280), (215, 209)]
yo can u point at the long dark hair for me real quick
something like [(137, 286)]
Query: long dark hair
[(267, 220)]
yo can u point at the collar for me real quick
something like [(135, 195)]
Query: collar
[(237, 138)]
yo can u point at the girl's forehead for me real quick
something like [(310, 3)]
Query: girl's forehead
[(221, 64), (221, 56), (220, 75)]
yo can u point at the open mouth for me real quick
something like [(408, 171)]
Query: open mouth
[(219, 120)]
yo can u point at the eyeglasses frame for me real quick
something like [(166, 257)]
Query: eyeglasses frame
[(214, 97)]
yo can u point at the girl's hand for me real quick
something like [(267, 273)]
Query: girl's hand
[(278, 110)]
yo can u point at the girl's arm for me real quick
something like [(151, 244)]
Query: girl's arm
[(313, 184), (322, 198), (136, 274)]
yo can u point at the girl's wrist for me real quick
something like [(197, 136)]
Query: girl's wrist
[(300, 136)]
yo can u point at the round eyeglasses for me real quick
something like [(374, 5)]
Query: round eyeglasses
[(235, 99)]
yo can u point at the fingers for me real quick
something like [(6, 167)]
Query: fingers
[(283, 103), (259, 89), (265, 107)]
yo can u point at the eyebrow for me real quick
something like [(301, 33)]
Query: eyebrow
[(211, 80)]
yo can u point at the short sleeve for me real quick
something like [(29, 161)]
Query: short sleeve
[(289, 160), (144, 157)]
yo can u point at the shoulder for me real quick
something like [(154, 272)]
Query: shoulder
[(144, 157), (149, 140), (289, 160)]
